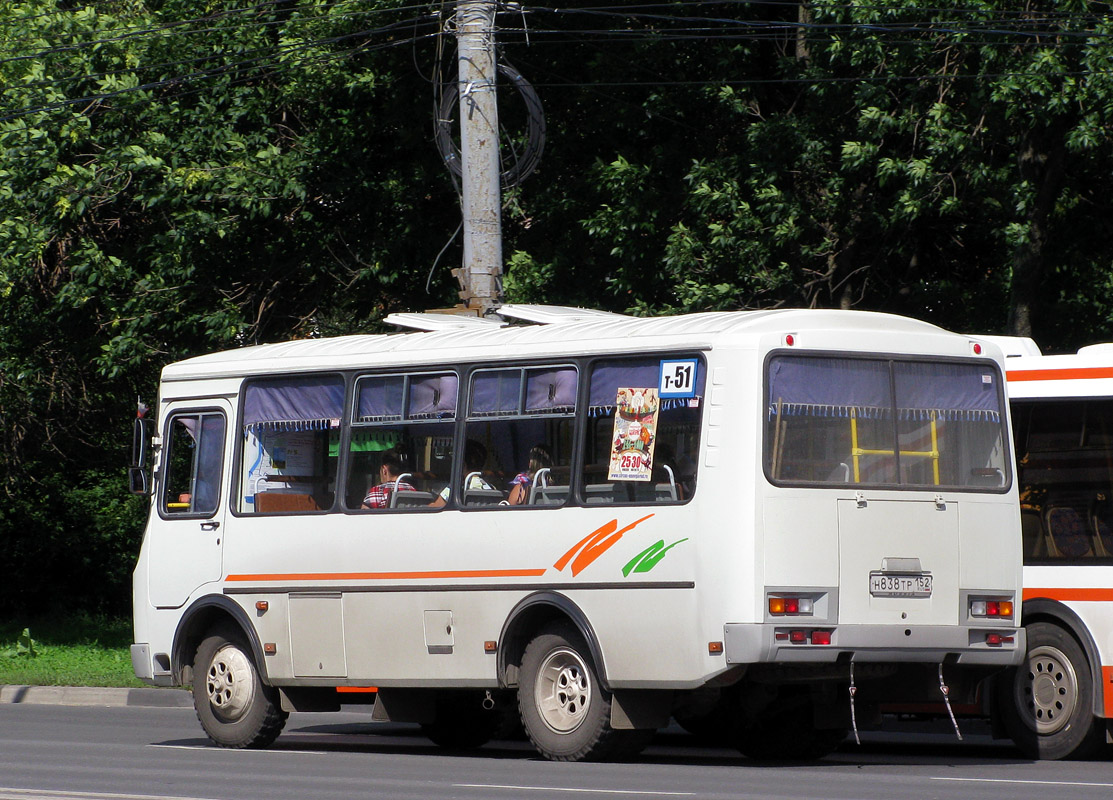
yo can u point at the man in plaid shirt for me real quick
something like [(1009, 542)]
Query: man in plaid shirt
[(389, 471)]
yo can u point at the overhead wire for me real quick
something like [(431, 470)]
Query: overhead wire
[(228, 69), (737, 29), (173, 26), (167, 65)]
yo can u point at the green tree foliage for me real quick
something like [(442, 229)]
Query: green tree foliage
[(179, 176), (922, 158)]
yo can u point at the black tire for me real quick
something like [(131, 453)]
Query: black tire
[(1047, 702), (461, 721), (565, 710), (706, 715), (234, 706), (785, 731)]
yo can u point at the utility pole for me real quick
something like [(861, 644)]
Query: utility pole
[(480, 276)]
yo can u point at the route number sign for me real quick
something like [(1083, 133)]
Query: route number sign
[(678, 378)]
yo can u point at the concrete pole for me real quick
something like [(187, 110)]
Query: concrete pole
[(481, 275)]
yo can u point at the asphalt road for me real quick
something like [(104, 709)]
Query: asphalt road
[(55, 752)]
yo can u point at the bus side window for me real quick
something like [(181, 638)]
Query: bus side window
[(291, 434), (412, 416), (522, 420), (193, 464), (1065, 476), (640, 448)]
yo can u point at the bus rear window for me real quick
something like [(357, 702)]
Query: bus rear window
[(875, 422)]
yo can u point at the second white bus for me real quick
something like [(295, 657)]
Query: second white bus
[(1059, 704), (793, 516)]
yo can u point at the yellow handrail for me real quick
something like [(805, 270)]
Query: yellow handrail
[(856, 451)]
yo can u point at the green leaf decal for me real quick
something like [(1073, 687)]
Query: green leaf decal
[(648, 558)]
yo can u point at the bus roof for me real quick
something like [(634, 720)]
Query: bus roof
[(586, 333), (1087, 373)]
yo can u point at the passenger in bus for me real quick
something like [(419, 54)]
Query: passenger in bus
[(390, 471), (540, 457), (475, 458)]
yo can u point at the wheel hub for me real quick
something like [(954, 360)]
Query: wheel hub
[(1049, 690), (230, 683), (563, 693)]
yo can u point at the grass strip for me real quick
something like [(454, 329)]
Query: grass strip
[(78, 650)]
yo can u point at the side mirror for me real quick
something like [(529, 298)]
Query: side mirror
[(140, 442), (137, 481)]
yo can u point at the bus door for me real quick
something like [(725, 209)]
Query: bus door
[(185, 540), (898, 561)]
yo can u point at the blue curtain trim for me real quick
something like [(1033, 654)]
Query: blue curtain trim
[(874, 412), (290, 426), (666, 404)]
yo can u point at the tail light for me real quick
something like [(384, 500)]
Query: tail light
[(792, 606), (986, 608), (798, 636)]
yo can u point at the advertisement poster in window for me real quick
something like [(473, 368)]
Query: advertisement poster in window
[(635, 434)]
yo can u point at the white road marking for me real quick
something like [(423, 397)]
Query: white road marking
[(45, 794), (1027, 782), (559, 789), (208, 748)]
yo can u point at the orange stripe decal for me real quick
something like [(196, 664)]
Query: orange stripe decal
[(594, 545), (1073, 374), (1068, 595), (1107, 690), (390, 576)]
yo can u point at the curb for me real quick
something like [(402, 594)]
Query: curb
[(95, 696)]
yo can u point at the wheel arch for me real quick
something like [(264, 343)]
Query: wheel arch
[(1043, 609), (529, 616), (201, 616)]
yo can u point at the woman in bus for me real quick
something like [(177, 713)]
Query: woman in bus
[(540, 458), (475, 458), (389, 472)]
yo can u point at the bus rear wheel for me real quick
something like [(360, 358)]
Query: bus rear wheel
[(235, 708), (1047, 702), (565, 710), (785, 730)]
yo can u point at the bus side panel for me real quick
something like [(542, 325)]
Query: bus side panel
[(365, 605)]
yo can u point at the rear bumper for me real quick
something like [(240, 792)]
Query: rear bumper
[(758, 643)]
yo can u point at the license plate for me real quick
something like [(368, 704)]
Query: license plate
[(883, 585)]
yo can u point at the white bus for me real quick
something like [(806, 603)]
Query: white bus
[(1060, 703), (592, 522)]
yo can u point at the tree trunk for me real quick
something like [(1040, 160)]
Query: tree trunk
[(1042, 165)]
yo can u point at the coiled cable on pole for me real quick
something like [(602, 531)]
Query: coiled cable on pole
[(525, 163)]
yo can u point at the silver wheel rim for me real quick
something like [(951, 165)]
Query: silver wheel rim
[(1048, 691), (230, 683), (563, 691)]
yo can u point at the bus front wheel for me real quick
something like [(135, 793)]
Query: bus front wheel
[(1047, 702), (565, 710), (234, 706)]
